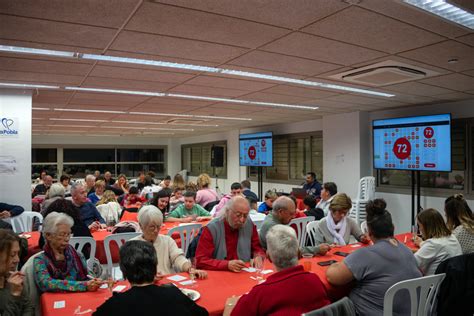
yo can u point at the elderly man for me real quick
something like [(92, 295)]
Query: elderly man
[(229, 241), (283, 212), (89, 214), (90, 184), (291, 290), (108, 178), (41, 189)]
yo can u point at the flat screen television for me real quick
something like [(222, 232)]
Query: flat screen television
[(256, 150), (413, 143)]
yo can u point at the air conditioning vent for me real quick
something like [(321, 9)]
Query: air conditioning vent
[(384, 73)]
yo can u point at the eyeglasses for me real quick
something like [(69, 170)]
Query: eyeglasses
[(240, 215), (63, 235)]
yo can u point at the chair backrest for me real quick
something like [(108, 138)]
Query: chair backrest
[(366, 189), (422, 294), (186, 233), (299, 224), (119, 239), (258, 223), (343, 307), (363, 227), (29, 285), (80, 242), (311, 231), (25, 222)]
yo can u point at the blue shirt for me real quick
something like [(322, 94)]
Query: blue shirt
[(313, 189), (90, 214), (93, 197), (263, 208)]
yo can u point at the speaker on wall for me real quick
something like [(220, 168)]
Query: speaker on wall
[(217, 156)]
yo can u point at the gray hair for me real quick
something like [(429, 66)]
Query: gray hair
[(90, 176), (75, 187), (282, 203), (55, 190), (282, 246), (148, 214), (53, 219)]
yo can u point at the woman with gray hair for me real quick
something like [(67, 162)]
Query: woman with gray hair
[(60, 267), (291, 290), (55, 192), (171, 258)]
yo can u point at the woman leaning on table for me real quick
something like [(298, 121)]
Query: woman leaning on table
[(337, 228), (60, 267), (13, 301), (171, 258)]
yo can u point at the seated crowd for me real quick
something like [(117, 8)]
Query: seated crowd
[(237, 230)]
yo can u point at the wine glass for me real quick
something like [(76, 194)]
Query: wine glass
[(192, 273), (258, 264)]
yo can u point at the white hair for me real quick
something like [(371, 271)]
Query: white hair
[(55, 190), (75, 187), (149, 214), (90, 176), (282, 246), (53, 219)]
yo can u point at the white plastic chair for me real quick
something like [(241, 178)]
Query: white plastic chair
[(24, 222), (311, 231), (421, 305), (119, 239), (300, 224), (363, 227), (365, 193), (186, 233), (80, 242)]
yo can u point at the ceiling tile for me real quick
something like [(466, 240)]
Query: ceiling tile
[(229, 83), (439, 54), (34, 30), (185, 23), (456, 82), (126, 84), (139, 74), (417, 88), (300, 92), (467, 39), (175, 47), (294, 14), (207, 91), (110, 97), (177, 101), (34, 77), (46, 96), (283, 63), (43, 66), (469, 72), (91, 103), (455, 96), (382, 33), (409, 14), (353, 99), (108, 13), (321, 49), (276, 98)]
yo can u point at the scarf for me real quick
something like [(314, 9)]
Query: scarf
[(62, 269), (332, 227)]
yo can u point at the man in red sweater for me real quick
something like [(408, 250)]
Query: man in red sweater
[(290, 291), (229, 241)]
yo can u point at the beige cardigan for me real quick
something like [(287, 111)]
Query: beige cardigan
[(171, 258)]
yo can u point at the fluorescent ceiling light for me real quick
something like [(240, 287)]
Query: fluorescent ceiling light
[(195, 116), (41, 109), (90, 111), (77, 120), (161, 123), (194, 97), (446, 11), (70, 126), (157, 63), (150, 128), (27, 86)]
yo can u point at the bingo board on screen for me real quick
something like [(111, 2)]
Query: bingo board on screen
[(256, 150), (413, 143)]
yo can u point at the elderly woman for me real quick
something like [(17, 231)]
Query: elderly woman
[(328, 191), (291, 290), (145, 298), (171, 259), (60, 267), (55, 192), (13, 300), (95, 196), (337, 228)]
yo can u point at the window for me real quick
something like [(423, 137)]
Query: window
[(453, 181), (294, 155), (196, 158), (44, 159)]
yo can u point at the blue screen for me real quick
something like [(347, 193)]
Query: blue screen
[(413, 143), (256, 150)]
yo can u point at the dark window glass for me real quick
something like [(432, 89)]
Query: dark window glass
[(132, 170), (89, 155), (80, 171), (141, 154), (51, 170), (43, 155)]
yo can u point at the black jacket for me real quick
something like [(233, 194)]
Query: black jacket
[(149, 300)]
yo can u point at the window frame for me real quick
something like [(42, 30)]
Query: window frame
[(193, 173)]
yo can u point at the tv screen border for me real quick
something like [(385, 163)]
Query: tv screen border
[(408, 117), (240, 165)]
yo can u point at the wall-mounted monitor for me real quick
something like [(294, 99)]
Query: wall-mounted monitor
[(413, 143), (256, 150)]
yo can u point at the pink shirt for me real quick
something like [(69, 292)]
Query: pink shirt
[(205, 196)]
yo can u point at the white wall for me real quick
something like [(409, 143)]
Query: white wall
[(15, 149)]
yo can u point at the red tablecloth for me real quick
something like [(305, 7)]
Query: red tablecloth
[(214, 290), (33, 241)]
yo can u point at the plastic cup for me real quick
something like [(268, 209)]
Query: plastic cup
[(307, 261)]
